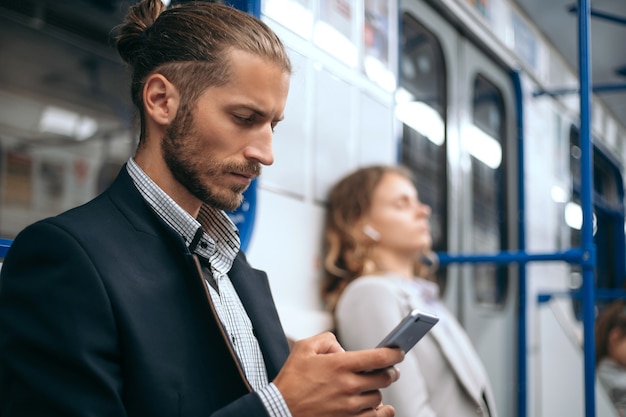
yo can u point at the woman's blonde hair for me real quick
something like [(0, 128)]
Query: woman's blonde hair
[(345, 252)]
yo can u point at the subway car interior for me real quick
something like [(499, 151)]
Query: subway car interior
[(510, 113)]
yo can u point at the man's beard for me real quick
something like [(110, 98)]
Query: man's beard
[(189, 169)]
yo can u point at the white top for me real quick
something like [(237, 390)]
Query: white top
[(442, 375), (612, 376)]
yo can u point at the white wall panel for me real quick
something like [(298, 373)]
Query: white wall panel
[(375, 136), (332, 142)]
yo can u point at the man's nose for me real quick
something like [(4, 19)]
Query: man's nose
[(260, 149)]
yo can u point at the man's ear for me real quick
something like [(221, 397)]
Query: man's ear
[(161, 99)]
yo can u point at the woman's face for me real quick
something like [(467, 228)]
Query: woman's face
[(400, 219)]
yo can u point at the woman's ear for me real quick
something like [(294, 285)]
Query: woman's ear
[(615, 334), (371, 232), (161, 99)]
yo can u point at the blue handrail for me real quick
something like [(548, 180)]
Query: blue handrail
[(574, 256), (596, 88), (4, 246), (602, 15), (600, 294)]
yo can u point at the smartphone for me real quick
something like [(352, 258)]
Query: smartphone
[(409, 331)]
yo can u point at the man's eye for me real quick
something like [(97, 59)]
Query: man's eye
[(243, 119)]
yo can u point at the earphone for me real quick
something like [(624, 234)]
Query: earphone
[(371, 233)]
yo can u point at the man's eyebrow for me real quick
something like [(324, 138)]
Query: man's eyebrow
[(260, 113)]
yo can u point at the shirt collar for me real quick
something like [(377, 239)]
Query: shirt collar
[(216, 237)]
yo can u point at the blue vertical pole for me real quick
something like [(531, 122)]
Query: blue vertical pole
[(521, 242), (244, 216), (588, 250), (252, 7)]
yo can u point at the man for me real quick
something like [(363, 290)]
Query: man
[(139, 303)]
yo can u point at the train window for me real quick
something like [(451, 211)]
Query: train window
[(376, 51), (484, 143), (296, 15), (421, 104), (61, 123), (334, 30), (608, 215)]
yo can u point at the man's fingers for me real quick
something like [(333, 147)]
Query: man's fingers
[(319, 344), (374, 360), (385, 411)]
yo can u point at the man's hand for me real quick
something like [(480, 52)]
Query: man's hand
[(321, 379)]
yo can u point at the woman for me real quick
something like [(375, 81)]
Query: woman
[(611, 353), (377, 254)]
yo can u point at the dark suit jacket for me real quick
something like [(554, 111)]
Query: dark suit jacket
[(104, 312)]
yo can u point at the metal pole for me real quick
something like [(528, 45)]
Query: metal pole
[(252, 7), (573, 255), (588, 249), (521, 243)]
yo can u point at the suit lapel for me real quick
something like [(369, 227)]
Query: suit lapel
[(251, 285)]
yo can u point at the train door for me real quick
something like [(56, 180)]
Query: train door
[(488, 293), (459, 148)]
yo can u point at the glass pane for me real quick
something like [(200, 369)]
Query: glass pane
[(63, 125), (488, 204), (422, 68), (607, 216), (334, 30), (376, 57), (296, 15), (421, 104)]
